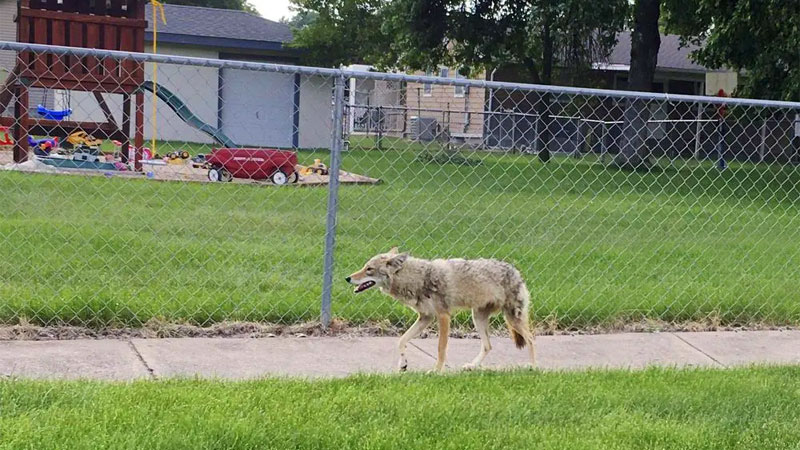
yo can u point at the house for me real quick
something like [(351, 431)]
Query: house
[(507, 119), (253, 108)]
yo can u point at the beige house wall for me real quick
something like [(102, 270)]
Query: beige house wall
[(462, 114)]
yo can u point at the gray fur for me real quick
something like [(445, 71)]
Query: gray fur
[(439, 287)]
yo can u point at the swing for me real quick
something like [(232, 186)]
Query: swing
[(52, 114)]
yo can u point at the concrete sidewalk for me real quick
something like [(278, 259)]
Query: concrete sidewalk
[(335, 356)]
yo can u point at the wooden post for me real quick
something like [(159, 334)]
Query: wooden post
[(126, 126), (21, 124)]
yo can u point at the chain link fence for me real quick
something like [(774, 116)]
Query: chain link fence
[(137, 187)]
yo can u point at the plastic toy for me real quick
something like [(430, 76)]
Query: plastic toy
[(199, 161), (317, 168), (82, 138), (42, 147), (46, 143), (53, 114), (6, 140), (86, 154), (183, 154), (256, 164), (177, 157)]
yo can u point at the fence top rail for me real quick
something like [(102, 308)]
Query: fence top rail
[(387, 76)]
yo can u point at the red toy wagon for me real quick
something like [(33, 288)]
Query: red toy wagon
[(254, 163)]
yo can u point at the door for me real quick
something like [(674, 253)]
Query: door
[(258, 108)]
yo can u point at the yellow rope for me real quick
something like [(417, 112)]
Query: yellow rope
[(157, 6)]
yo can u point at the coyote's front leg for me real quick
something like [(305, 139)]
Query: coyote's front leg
[(423, 320)]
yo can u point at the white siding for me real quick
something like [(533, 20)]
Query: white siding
[(198, 87), (8, 59), (8, 32), (316, 112)]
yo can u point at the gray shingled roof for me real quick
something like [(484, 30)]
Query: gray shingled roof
[(670, 55), (219, 23)]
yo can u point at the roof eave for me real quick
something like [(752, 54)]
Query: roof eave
[(219, 42), (611, 67)]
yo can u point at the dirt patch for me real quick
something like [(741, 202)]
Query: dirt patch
[(186, 172), (157, 329), (172, 172)]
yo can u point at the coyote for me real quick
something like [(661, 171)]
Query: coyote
[(436, 288)]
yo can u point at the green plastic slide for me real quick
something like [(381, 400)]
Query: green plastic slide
[(183, 111)]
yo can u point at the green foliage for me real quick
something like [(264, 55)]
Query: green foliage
[(760, 37), (539, 35), (300, 20), (342, 32), (242, 5)]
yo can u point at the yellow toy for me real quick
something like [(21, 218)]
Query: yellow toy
[(178, 157), (317, 168), (79, 138)]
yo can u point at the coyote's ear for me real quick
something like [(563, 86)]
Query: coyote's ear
[(398, 261), (393, 251)]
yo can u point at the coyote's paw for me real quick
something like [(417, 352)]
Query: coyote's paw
[(469, 366), (402, 365)]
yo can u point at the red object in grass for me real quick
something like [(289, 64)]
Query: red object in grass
[(4, 138), (722, 109), (253, 163)]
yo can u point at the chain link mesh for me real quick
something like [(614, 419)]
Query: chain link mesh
[(616, 207)]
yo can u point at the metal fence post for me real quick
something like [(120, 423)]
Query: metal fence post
[(333, 199)]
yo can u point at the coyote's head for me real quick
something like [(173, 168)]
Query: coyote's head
[(378, 270)]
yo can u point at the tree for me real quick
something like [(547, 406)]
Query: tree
[(542, 36), (343, 32), (759, 37), (645, 43), (242, 5), (300, 20), (546, 38)]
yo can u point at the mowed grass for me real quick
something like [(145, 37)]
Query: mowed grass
[(596, 246), (658, 408)]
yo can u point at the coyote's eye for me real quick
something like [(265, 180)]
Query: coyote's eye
[(369, 271)]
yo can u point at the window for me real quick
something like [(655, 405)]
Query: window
[(459, 90), (427, 87), (682, 87), (444, 72)]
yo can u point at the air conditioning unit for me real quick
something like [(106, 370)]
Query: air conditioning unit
[(424, 128)]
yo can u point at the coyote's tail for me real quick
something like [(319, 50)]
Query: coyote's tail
[(519, 341), (518, 314)]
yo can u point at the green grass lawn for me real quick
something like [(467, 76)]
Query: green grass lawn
[(752, 408), (597, 247)]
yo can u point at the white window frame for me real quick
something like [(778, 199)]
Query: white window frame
[(459, 91), (427, 88)]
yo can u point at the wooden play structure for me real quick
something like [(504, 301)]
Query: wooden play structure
[(100, 24)]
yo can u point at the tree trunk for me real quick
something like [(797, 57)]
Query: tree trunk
[(543, 104), (645, 41)]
